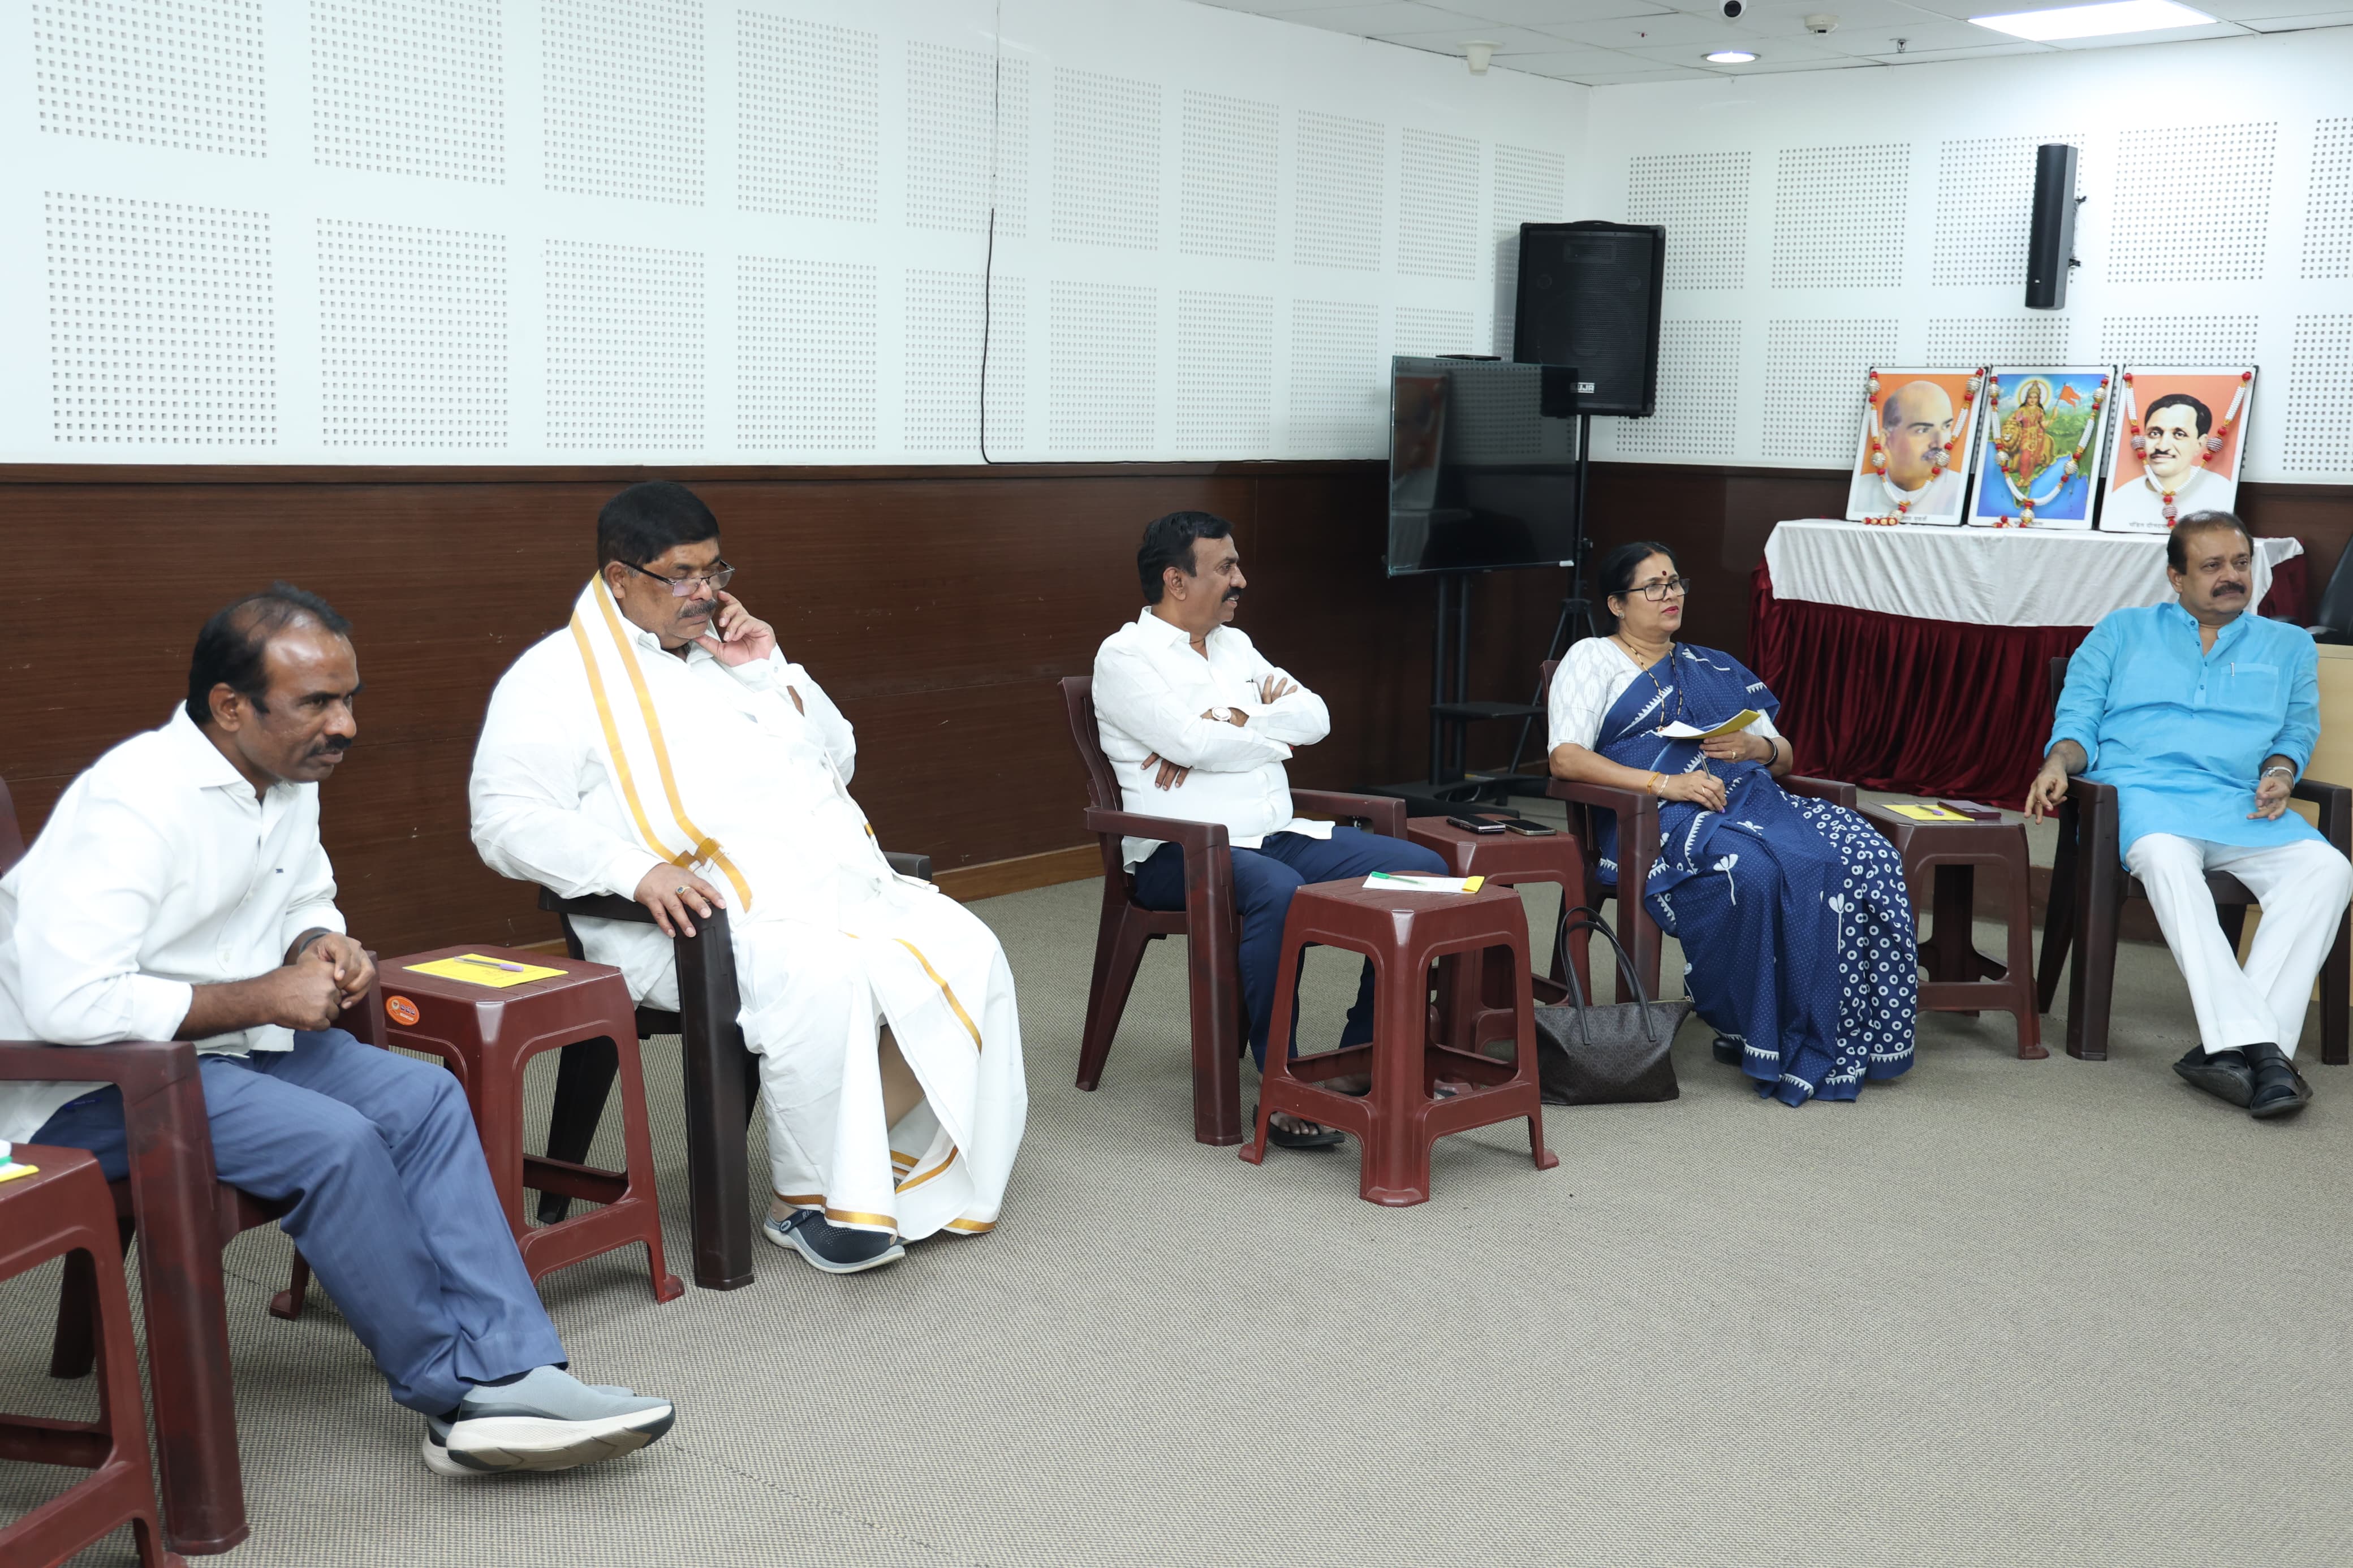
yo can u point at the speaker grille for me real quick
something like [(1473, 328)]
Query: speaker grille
[(2328, 202), (1816, 370), (1838, 215), (2317, 439), (1702, 200), (2192, 205), (1590, 301)]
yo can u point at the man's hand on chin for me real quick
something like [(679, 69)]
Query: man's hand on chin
[(736, 635)]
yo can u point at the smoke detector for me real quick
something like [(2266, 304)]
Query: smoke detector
[(1822, 22), (1477, 53)]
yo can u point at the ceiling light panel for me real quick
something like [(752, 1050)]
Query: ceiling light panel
[(2095, 21)]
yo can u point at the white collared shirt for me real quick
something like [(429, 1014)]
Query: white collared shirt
[(544, 808), (1151, 689), (159, 871)]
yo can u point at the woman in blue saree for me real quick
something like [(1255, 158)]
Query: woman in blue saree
[(1797, 931)]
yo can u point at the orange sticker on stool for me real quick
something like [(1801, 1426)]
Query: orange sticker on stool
[(400, 1009)]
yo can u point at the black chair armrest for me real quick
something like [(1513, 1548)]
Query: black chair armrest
[(2336, 804), (596, 907), (1132, 825), (916, 866), (1830, 790), (1385, 814)]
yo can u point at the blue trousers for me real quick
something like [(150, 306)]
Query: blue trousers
[(1264, 880), (393, 1202)]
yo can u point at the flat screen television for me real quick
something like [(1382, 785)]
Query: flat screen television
[(1481, 476)]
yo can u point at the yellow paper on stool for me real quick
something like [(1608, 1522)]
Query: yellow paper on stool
[(1927, 814), (11, 1170), (479, 968)]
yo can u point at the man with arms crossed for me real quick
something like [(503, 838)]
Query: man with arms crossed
[(660, 748), (1198, 725), (2202, 714), (179, 892)]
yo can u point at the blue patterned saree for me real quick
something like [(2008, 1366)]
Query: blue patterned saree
[(1796, 928)]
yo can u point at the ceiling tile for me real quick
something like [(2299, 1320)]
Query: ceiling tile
[(1366, 21), (1567, 61), (1921, 35), (1623, 79), (2164, 35), (2297, 23), (1552, 16), (1507, 40), (1778, 50), (1976, 52), (1675, 27)]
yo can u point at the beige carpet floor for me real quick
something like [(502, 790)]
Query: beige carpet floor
[(1998, 1312)]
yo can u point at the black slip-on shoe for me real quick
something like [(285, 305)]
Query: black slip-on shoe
[(1727, 1050), (2225, 1075), (2279, 1087), (1322, 1138), (836, 1248)]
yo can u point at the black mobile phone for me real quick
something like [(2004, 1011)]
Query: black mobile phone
[(1531, 829), (1471, 825)]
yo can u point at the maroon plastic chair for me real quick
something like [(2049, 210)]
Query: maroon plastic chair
[(1206, 922), (2089, 886), (1638, 844), (63, 1210)]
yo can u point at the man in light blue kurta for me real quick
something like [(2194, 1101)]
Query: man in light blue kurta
[(2204, 716)]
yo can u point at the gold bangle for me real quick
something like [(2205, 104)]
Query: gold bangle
[(1657, 780)]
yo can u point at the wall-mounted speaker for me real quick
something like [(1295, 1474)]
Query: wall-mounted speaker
[(2051, 244), (1590, 297)]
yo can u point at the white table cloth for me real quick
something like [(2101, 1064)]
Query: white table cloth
[(1982, 576)]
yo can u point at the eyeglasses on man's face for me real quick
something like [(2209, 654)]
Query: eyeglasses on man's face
[(1665, 588), (717, 578)]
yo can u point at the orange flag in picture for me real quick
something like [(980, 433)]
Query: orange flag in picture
[(2067, 393)]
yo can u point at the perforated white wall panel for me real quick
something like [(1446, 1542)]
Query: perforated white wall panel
[(412, 89), (2318, 437), (161, 324), (2192, 203), (625, 348), (1529, 188), (1106, 160), (1225, 373), (808, 136), (412, 336), (960, 104), (2328, 202), (1700, 412), (943, 322), (1838, 215), (159, 73), (1981, 226), (623, 96), (1230, 171), (804, 355), (1428, 331), (1339, 384), (1438, 217), (1816, 370), (1101, 355), (1702, 198), (1842, 218), (1336, 215)]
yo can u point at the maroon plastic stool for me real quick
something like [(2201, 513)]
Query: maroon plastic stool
[(1505, 860), (1402, 1116), (1940, 862), (64, 1210), (486, 1035)]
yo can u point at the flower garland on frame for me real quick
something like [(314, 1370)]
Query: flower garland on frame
[(2027, 501), (2209, 445), (1939, 455)]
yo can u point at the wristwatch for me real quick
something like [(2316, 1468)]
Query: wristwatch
[(1222, 715)]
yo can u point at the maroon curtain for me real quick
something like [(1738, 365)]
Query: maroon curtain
[(1925, 706)]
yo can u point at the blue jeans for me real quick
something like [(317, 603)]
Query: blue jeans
[(1264, 880), (393, 1202)]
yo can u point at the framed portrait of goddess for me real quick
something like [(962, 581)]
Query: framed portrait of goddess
[(2038, 453), (2178, 436), (1912, 460)]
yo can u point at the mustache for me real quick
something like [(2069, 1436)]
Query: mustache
[(2230, 587), (1233, 595), (334, 745)]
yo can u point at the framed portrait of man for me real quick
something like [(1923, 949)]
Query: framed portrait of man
[(2177, 442), (2039, 452), (1912, 461)]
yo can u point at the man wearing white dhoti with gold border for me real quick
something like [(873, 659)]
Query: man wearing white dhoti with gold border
[(661, 748)]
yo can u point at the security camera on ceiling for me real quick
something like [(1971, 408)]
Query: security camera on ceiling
[(1735, 9), (1822, 22)]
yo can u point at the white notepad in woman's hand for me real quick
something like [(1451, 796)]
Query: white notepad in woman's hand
[(1679, 730)]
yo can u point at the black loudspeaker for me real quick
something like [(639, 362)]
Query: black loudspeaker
[(1589, 297), (2051, 245)]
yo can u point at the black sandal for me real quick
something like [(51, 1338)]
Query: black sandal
[(1283, 1138)]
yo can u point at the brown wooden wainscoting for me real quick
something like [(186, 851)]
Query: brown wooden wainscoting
[(937, 605)]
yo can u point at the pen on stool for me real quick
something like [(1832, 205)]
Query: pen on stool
[(491, 963)]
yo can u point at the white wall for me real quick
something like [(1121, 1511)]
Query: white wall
[(504, 231), (1822, 222)]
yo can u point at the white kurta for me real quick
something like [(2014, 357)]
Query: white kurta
[(832, 945), (2137, 505), (1939, 498)]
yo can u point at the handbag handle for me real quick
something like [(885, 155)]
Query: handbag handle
[(1585, 917)]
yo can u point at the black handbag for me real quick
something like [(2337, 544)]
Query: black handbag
[(1588, 1054)]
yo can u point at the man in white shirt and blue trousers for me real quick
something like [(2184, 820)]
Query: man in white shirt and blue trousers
[(2202, 715), (180, 891), (1198, 725)]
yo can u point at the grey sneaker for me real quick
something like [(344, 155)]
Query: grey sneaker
[(836, 1248), (546, 1420)]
